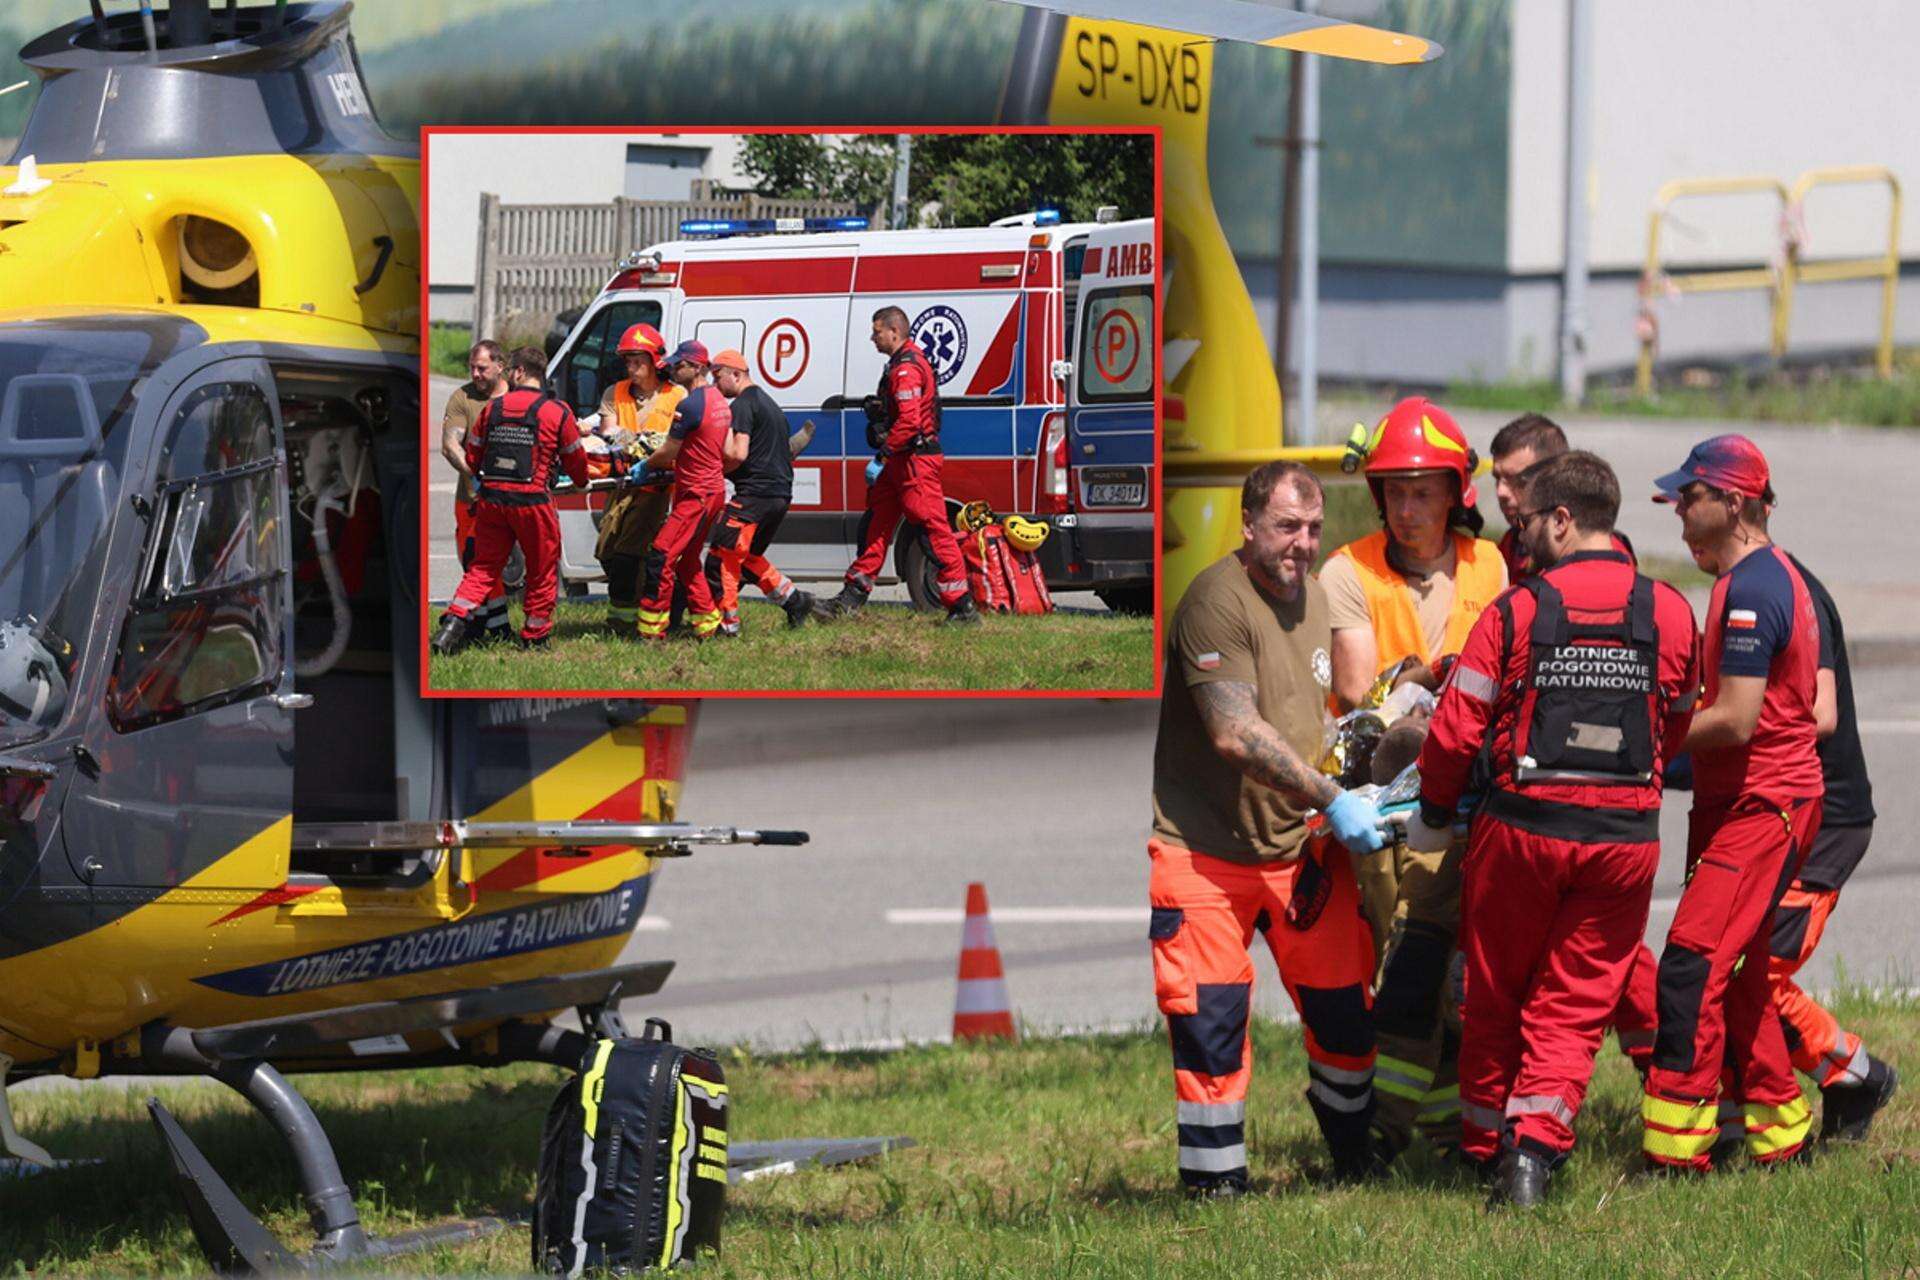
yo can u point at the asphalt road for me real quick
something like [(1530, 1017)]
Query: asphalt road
[(854, 938)]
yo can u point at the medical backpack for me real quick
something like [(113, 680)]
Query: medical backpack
[(633, 1159), (1002, 577)]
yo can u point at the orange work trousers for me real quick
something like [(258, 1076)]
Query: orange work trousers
[(1206, 912)]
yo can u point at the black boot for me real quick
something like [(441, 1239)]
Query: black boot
[(1520, 1182), (1226, 1186), (1847, 1111), (962, 614), (453, 635), (799, 606), (849, 602), (531, 642)]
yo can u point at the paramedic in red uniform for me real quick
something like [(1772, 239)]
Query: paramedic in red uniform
[(513, 449), (487, 365), (1581, 681), (700, 445), (1529, 439), (904, 424), (1757, 791)]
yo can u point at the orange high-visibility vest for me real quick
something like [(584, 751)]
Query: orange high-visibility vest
[(659, 407), (1477, 581)]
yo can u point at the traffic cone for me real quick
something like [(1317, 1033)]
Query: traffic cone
[(980, 1008)]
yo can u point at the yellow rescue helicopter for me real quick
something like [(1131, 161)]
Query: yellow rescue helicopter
[(1146, 62), (235, 842)]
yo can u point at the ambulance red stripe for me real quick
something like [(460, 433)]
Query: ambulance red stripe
[(763, 277), (922, 272)]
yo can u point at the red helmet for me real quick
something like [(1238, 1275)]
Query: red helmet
[(1418, 435), (642, 337)]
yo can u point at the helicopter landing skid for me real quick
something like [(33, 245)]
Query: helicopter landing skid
[(234, 1241)]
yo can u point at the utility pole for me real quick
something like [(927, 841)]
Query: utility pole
[(1306, 396), (1573, 281), (903, 161), (1289, 256)]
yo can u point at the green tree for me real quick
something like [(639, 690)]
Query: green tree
[(980, 177), (788, 166)]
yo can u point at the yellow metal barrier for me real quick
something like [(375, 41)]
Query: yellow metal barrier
[(1885, 268), (1656, 282)]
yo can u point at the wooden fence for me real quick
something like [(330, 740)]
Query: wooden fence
[(535, 260)]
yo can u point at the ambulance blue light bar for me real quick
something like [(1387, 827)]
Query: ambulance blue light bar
[(761, 226), (1046, 217)]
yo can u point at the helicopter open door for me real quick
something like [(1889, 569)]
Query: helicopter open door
[(185, 776)]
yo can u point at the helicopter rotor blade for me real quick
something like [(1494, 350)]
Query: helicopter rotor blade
[(1249, 22)]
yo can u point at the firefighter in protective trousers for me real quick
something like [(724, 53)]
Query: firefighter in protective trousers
[(1570, 695), (903, 424), (513, 449)]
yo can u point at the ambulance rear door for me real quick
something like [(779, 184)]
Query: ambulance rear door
[(784, 307), (1112, 349)]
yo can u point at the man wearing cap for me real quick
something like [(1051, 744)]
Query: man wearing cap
[(699, 446), (633, 411), (762, 491), (1757, 790), (904, 425), (487, 379), (1412, 590)]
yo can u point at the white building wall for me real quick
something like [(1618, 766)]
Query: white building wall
[(1712, 88), (543, 168)]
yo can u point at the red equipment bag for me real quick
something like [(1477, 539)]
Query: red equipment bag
[(1003, 578)]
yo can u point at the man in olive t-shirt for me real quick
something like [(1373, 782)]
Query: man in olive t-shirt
[(487, 370), (1241, 717)]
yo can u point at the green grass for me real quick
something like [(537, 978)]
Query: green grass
[(1051, 1157), (885, 647), (447, 347), (1821, 395)]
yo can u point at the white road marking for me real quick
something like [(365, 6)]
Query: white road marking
[(449, 487), (1024, 915), (443, 555), (1890, 726), (652, 924)]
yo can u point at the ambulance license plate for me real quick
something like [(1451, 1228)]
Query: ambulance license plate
[(1114, 486)]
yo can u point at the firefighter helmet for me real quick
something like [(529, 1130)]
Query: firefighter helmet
[(1025, 534), (642, 338), (1418, 435)]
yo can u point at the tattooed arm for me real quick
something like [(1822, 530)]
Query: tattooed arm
[(1254, 747)]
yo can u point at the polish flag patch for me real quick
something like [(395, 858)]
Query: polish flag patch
[(1207, 661), (1742, 619)]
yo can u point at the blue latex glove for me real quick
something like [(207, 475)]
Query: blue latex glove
[(1356, 822), (637, 473), (873, 472)]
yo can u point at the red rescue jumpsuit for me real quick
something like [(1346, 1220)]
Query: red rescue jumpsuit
[(1756, 809), (701, 424), (1558, 874), (909, 483), (513, 449)]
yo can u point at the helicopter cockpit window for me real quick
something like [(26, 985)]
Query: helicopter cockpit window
[(595, 363), (66, 393), (208, 620)]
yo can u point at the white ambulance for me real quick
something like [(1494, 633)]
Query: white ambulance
[(995, 308)]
